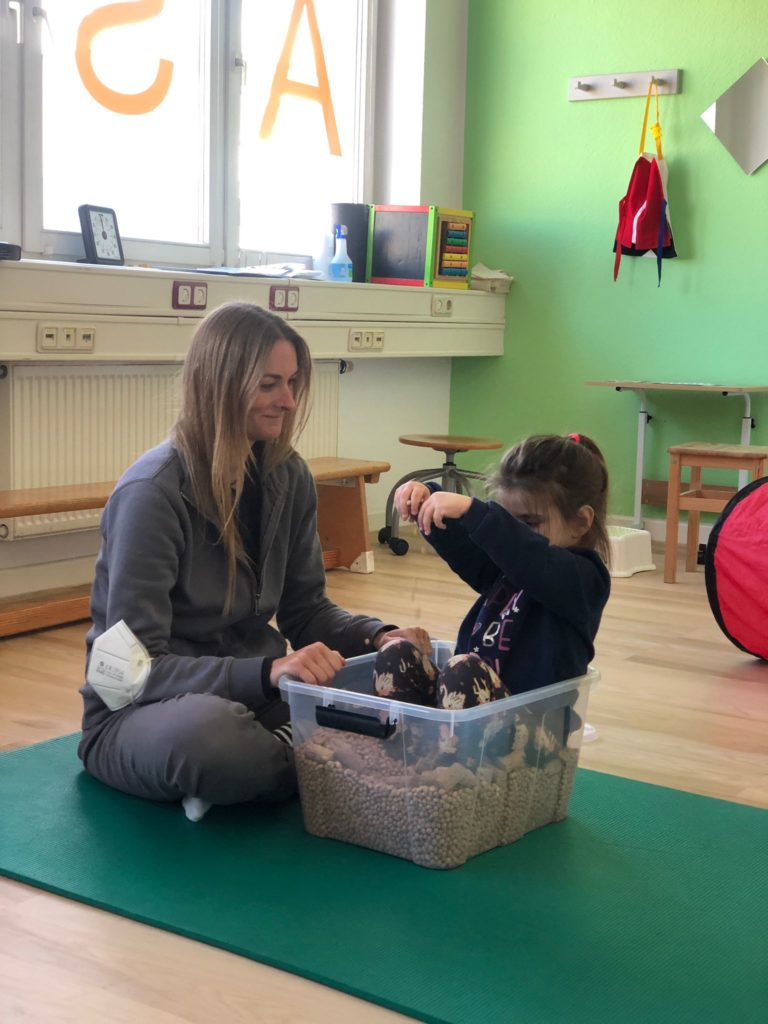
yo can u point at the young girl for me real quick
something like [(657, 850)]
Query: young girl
[(537, 557)]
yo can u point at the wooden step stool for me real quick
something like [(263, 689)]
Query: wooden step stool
[(342, 521), (698, 498)]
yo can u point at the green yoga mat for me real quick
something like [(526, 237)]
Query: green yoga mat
[(645, 905)]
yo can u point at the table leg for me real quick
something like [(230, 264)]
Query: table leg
[(694, 518), (642, 424), (673, 518), (746, 430)]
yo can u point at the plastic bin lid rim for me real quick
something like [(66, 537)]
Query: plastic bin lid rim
[(329, 694)]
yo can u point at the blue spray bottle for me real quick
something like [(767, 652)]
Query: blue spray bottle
[(340, 267)]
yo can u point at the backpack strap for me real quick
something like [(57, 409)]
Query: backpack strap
[(655, 127)]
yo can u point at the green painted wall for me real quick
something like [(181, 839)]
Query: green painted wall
[(544, 177)]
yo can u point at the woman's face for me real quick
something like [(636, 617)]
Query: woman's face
[(274, 395)]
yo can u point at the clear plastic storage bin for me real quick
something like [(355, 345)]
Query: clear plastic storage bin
[(435, 787)]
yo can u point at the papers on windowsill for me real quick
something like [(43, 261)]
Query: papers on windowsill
[(267, 270), (487, 280)]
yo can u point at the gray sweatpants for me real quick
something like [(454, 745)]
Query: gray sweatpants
[(198, 745)]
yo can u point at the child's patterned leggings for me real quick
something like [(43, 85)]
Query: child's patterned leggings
[(402, 672)]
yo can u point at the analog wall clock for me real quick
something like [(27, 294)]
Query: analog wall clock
[(101, 236)]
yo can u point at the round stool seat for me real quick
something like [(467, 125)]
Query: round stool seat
[(450, 442), (451, 477)]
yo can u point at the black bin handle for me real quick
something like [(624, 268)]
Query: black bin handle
[(352, 721)]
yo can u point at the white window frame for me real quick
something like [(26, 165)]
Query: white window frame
[(68, 244), (11, 115), (21, 143), (364, 136)]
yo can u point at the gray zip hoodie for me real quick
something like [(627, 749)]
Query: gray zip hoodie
[(162, 569)]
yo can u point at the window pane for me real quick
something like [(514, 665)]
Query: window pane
[(126, 122), (289, 179)]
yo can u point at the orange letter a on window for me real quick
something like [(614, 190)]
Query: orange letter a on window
[(281, 83)]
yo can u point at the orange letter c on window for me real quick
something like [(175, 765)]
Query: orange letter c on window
[(112, 16)]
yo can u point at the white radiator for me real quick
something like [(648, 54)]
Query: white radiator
[(78, 424), (321, 434)]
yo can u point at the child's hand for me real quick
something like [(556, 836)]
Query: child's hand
[(409, 498), (417, 635), (439, 507)]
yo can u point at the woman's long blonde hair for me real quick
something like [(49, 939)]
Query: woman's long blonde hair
[(225, 363)]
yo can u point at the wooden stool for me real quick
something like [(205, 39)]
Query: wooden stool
[(450, 476), (697, 499)]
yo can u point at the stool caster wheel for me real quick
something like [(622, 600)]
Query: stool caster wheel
[(384, 534), (398, 546)]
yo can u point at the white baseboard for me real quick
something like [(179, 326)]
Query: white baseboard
[(658, 529)]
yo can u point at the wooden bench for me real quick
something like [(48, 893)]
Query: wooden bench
[(342, 518)]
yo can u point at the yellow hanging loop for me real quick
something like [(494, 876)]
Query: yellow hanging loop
[(656, 127)]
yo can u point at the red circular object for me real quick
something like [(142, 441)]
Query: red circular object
[(736, 569)]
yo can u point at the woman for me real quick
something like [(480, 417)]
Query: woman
[(206, 538)]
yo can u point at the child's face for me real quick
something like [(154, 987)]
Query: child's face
[(545, 518)]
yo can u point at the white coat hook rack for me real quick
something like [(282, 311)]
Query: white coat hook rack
[(622, 86)]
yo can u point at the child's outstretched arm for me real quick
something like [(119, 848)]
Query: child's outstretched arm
[(569, 583), (440, 521)]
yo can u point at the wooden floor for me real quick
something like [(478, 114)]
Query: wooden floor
[(677, 705)]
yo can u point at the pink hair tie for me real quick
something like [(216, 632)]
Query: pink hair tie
[(575, 437)]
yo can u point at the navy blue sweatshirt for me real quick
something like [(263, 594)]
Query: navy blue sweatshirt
[(559, 594)]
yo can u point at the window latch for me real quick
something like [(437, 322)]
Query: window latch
[(42, 14)]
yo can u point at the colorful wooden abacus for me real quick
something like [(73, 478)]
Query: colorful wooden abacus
[(453, 237)]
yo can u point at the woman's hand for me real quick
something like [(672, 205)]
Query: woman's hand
[(419, 638), (409, 498), (315, 664), (441, 506)]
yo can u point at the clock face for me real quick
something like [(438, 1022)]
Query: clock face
[(105, 239)]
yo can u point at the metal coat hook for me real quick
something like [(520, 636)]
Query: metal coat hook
[(619, 85), (583, 86)]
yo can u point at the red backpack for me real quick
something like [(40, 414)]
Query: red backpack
[(643, 211)]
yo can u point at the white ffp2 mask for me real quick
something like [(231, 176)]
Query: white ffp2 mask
[(118, 667)]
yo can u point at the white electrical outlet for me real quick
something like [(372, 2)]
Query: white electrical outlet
[(355, 340), (47, 337), (85, 339), (65, 338), (367, 339), (442, 305), (378, 341)]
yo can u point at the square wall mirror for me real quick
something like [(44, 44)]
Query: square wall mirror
[(739, 118)]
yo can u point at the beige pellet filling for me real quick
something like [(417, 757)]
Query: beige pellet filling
[(356, 788)]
